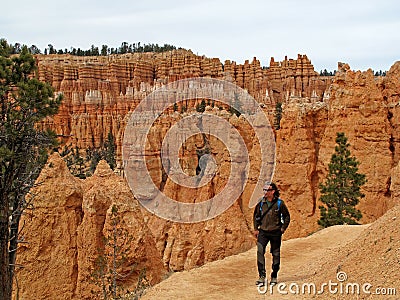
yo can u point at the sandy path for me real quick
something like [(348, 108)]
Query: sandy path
[(234, 277)]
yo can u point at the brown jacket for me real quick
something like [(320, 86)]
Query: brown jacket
[(271, 222)]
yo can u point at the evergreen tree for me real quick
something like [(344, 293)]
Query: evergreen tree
[(341, 191), (24, 101), (107, 152), (34, 50), (201, 107), (51, 49), (236, 106), (104, 50), (110, 152), (278, 115), (112, 263), (94, 156), (78, 164)]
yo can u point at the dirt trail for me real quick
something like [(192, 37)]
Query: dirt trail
[(234, 277)]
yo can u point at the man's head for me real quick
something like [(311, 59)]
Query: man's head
[(270, 190)]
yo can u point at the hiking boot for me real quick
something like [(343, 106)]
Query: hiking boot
[(261, 280), (274, 281)]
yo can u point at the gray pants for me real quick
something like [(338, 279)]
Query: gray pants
[(262, 240)]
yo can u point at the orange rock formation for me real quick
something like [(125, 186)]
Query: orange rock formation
[(73, 216), (99, 92), (366, 109)]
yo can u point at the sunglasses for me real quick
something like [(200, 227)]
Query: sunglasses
[(268, 190)]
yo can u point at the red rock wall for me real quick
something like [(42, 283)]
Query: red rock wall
[(366, 109), (100, 91)]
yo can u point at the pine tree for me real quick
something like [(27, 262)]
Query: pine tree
[(235, 106), (278, 115), (109, 151), (112, 263), (341, 191), (24, 101), (201, 107)]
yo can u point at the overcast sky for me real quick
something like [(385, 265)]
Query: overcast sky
[(365, 34)]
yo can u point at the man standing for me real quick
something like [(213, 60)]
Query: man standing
[(271, 218)]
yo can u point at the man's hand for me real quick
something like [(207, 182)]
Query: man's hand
[(255, 233)]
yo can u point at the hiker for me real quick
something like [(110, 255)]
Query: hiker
[(271, 218)]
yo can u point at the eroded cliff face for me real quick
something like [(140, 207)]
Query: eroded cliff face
[(72, 228), (68, 227), (298, 145), (51, 253), (366, 109), (357, 107), (99, 93)]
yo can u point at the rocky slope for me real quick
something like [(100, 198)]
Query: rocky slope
[(373, 257), (73, 219)]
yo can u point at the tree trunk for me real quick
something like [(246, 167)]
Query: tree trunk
[(14, 229), (5, 284)]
